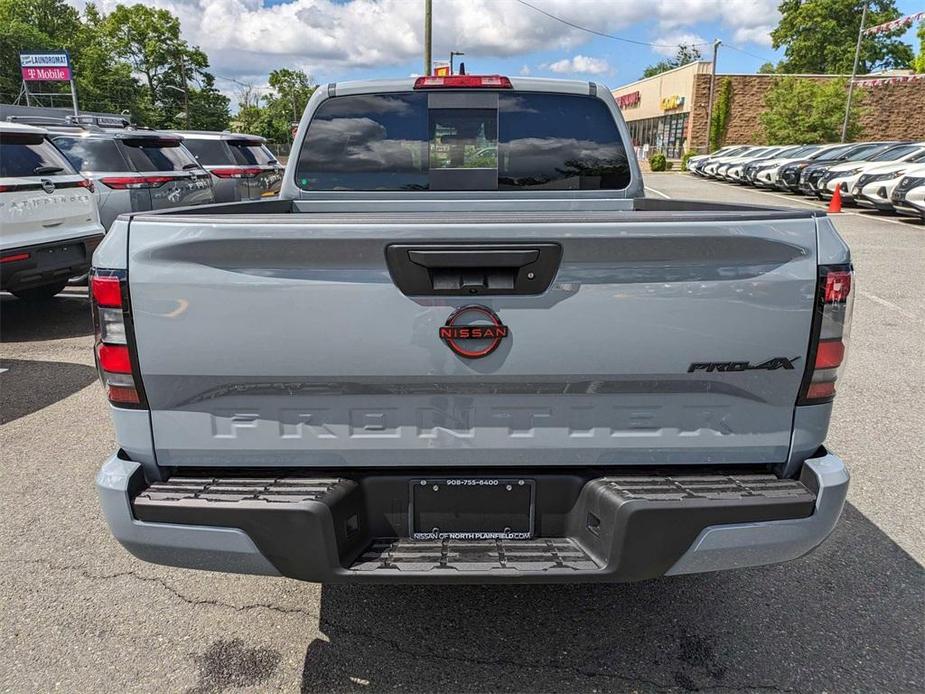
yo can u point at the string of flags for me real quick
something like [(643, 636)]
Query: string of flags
[(901, 23), (894, 79)]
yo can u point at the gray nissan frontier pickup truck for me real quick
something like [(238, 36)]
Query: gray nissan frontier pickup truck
[(463, 346)]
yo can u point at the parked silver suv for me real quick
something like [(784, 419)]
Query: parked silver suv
[(133, 169), (242, 167)]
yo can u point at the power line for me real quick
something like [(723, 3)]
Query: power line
[(232, 79), (742, 50), (633, 41), (601, 33)]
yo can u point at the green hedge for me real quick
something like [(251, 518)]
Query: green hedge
[(657, 162), (686, 157)]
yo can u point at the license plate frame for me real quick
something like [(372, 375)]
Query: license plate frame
[(471, 508)]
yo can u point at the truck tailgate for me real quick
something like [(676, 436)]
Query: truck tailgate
[(270, 341)]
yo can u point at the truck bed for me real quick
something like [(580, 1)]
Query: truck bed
[(450, 208)]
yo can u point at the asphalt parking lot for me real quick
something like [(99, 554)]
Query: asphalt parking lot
[(79, 614)]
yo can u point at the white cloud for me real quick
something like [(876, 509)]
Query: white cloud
[(579, 65), (525, 70), (668, 43), (760, 35), (246, 38), (749, 20)]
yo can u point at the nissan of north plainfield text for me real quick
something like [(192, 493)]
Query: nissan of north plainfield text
[(462, 346)]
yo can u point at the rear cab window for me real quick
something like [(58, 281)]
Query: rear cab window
[(88, 154), (28, 154), (455, 140), (157, 154), (250, 153), (209, 152)]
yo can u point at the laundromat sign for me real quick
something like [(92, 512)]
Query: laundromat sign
[(629, 100), (670, 103), (45, 67)]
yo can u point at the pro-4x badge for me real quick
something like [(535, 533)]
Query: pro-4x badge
[(772, 364), (473, 331)]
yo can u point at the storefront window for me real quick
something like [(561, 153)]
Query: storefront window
[(666, 134)]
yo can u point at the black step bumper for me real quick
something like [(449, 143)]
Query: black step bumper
[(624, 527), (47, 263)]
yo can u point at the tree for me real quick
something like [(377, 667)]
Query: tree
[(293, 87), (285, 104), (270, 115), (105, 83), (919, 64), (767, 69), (174, 73), (811, 111), (819, 37), (208, 107), (686, 54)]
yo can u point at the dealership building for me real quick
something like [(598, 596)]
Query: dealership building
[(669, 112)]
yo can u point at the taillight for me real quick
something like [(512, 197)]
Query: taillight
[(237, 172), (15, 257), (463, 82), (114, 348), (831, 327), (131, 182), (86, 183)]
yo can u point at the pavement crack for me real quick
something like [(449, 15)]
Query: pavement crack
[(330, 628), (333, 629), (165, 585)]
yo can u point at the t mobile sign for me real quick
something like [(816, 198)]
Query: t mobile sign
[(45, 67)]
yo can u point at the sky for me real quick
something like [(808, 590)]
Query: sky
[(336, 40)]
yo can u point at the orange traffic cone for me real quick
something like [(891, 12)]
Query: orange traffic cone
[(835, 202)]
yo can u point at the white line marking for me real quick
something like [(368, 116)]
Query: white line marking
[(3, 371), (889, 304), (905, 225), (761, 191), (658, 192)]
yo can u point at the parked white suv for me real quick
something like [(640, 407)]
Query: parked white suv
[(49, 221), (909, 192), (846, 175)]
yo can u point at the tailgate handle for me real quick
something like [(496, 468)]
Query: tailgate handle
[(463, 269), (474, 259)]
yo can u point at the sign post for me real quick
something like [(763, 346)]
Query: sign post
[(47, 67)]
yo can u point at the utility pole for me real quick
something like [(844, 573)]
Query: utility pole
[(74, 98), (716, 45), (453, 54), (428, 16), (185, 99), (854, 72), (185, 94)]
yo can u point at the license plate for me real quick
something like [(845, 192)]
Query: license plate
[(70, 254), (471, 509)]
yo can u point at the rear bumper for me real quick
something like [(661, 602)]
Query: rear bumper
[(47, 263), (591, 529)]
